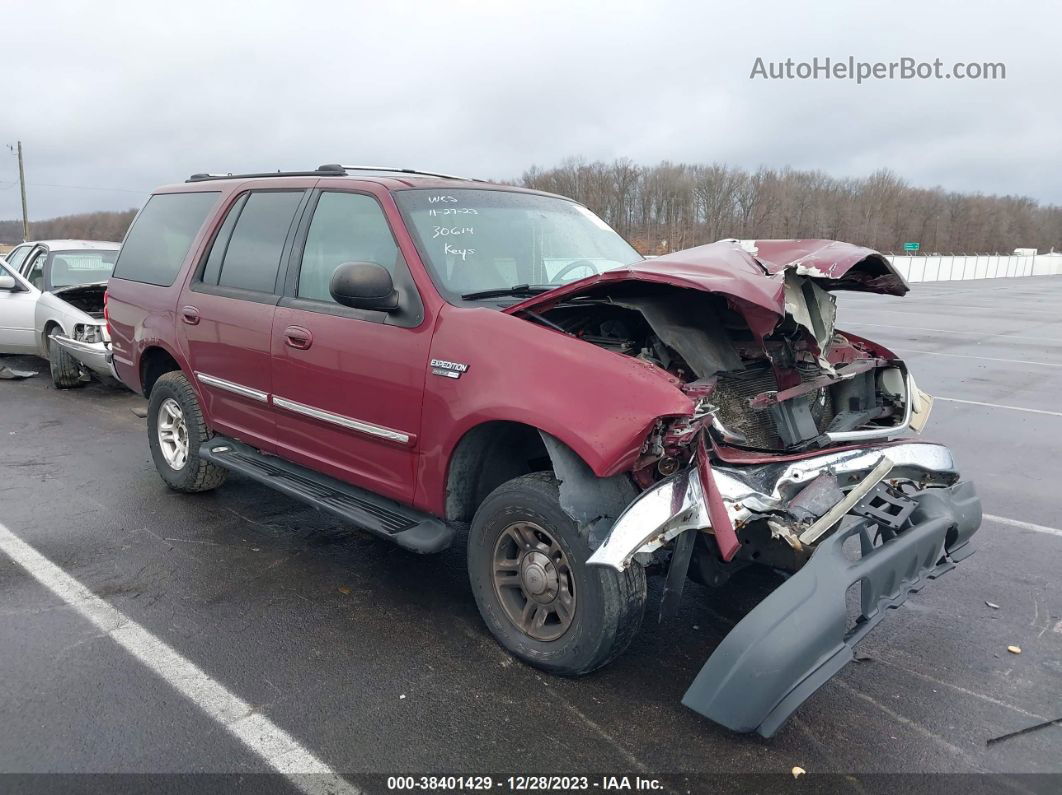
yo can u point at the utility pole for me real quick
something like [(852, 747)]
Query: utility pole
[(22, 185)]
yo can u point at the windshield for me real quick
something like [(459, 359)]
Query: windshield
[(476, 240), (81, 267)]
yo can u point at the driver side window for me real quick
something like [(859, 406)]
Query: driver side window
[(346, 227)]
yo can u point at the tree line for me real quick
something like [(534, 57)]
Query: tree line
[(102, 225), (672, 206)]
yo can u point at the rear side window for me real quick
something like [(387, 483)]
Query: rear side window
[(221, 242), (246, 253), (161, 235), (16, 256)]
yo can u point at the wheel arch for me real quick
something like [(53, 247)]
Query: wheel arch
[(487, 455), (496, 451), (155, 362), (50, 325)]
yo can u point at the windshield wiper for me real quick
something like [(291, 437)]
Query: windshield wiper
[(517, 290)]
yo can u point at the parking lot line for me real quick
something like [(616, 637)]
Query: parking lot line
[(952, 331), (981, 358), (1038, 528), (998, 406), (279, 750)]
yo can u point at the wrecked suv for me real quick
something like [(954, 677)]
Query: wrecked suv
[(426, 356)]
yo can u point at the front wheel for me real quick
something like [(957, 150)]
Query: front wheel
[(176, 429), (65, 369), (527, 566)]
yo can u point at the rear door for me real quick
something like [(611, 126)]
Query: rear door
[(225, 315), (17, 308), (16, 256), (348, 383)]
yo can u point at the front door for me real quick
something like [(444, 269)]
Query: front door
[(225, 315), (347, 383), (17, 307)]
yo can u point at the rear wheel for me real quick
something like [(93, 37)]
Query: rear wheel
[(66, 370), (527, 566), (176, 430)]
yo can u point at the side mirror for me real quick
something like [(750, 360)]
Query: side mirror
[(8, 283), (364, 285)]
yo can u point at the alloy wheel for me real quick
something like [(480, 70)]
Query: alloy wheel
[(533, 580), (173, 434)]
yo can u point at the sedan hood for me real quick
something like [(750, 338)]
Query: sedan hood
[(751, 274), (86, 297)]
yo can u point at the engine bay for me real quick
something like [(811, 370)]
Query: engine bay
[(802, 386)]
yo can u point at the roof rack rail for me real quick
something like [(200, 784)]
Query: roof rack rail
[(323, 171), (392, 170)]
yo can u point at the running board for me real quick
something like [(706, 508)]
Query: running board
[(404, 526)]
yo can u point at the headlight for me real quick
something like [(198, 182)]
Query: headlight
[(88, 333)]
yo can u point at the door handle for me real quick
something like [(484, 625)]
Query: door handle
[(190, 315), (298, 337)]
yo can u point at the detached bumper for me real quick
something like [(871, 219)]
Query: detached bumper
[(798, 637), (96, 356)]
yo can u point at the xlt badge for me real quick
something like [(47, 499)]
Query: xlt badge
[(447, 369)]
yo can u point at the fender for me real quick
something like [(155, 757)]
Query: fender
[(600, 404)]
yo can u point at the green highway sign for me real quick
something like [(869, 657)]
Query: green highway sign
[(912, 246)]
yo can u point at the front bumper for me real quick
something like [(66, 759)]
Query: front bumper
[(679, 503), (94, 355), (798, 637)]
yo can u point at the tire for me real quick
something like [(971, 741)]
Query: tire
[(66, 370), (173, 398), (605, 607)]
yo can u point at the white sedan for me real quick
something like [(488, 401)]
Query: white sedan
[(51, 305)]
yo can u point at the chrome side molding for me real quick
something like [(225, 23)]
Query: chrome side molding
[(342, 421), (236, 389)]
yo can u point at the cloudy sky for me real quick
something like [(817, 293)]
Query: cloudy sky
[(113, 98)]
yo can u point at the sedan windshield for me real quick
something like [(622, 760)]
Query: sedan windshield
[(81, 267), (480, 241)]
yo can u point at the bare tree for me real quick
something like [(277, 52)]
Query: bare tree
[(675, 205)]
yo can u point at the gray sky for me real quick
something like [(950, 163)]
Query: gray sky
[(126, 96)]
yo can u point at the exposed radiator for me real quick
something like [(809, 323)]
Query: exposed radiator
[(732, 394)]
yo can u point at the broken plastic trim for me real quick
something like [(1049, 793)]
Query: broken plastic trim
[(837, 512), (795, 640)]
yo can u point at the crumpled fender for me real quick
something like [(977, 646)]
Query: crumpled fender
[(795, 640)]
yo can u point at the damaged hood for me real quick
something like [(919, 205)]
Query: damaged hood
[(833, 265), (751, 274)]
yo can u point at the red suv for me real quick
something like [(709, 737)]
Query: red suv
[(426, 356)]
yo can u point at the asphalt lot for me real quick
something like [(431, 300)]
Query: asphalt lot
[(376, 660)]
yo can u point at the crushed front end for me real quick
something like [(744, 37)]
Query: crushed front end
[(90, 341), (886, 518), (796, 455)]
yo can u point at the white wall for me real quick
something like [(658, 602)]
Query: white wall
[(985, 266)]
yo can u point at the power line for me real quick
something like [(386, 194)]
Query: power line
[(13, 182), (89, 187)]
